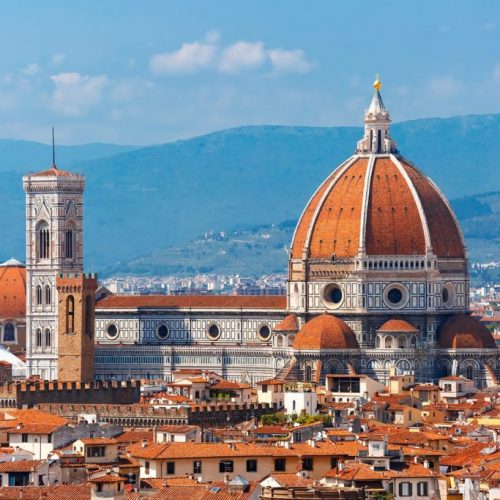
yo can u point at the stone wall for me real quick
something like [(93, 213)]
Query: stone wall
[(29, 394)]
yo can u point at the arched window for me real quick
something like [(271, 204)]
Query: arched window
[(9, 332), (38, 295), (413, 341), (43, 244), (89, 316), (379, 141), (469, 373), (279, 340), (48, 297), (38, 337), (70, 314), (308, 373), (48, 338), (402, 343), (388, 342), (69, 243)]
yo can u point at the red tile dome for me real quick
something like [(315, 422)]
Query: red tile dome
[(325, 332), (12, 290), (381, 204), (462, 331)]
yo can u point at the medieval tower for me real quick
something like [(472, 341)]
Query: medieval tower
[(54, 245)]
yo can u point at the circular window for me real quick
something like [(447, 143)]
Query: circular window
[(112, 331), (396, 296), (448, 295), (264, 332), (332, 295), (213, 331), (162, 332)]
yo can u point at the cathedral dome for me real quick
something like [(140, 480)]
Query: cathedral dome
[(381, 205), (325, 332), (13, 287), (377, 203), (462, 331)]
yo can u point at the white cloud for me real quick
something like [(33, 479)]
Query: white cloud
[(289, 61), (31, 69), (242, 56), (191, 57), (57, 59), (76, 93), (444, 86)]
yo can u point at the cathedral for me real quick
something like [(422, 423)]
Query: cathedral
[(377, 281)]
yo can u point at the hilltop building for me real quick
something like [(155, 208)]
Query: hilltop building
[(378, 280)]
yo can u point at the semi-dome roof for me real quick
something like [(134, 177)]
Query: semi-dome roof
[(13, 290), (397, 325), (462, 331), (325, 332), (377, 203)]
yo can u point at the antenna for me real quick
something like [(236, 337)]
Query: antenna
[(53, 149)]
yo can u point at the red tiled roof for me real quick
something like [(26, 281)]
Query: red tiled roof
[(325, 332), (397, 325), (56, 492), (53, 171), (227, 384), (20, 466), (195, 301), (289, 324), (462, 331), (97, 441), (12, 292)]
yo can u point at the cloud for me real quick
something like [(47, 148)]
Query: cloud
[(76, 93), (289, 61), (191, 57), (31, 69), (242, 56), (57, 59), (444, 86)]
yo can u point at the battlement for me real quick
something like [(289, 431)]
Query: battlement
[(32, 393), (76, 282)]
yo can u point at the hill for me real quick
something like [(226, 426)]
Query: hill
[(264, 249), (150, 198)]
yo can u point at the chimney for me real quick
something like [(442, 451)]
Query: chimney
[(426, 464), (226, 477), (144, 443), (340, 465)]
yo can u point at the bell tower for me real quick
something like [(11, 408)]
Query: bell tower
[(76, 306), (54, 245)]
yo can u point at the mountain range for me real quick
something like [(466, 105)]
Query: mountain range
[(139, 201)]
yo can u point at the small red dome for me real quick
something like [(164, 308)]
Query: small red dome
[(289, 324), (13, 290), (325, 332), (397, 325), (464, 332)]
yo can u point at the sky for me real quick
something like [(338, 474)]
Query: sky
[(147, 72)]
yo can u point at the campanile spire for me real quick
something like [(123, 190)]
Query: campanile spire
[(377, 120)]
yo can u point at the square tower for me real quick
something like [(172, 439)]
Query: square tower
[(76, 322), (54, 244)]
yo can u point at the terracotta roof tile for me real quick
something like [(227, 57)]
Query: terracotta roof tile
[(397, 325), (462, 331), (21, 466), (325, 332), (12, 292), (195, 301), (289, 324), (444, 231)]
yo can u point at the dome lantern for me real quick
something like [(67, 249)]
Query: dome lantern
[(376, 138)]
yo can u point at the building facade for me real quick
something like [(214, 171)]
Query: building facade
[(378, 280)]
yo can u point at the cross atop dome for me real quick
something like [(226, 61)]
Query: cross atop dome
[(377, 120)]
